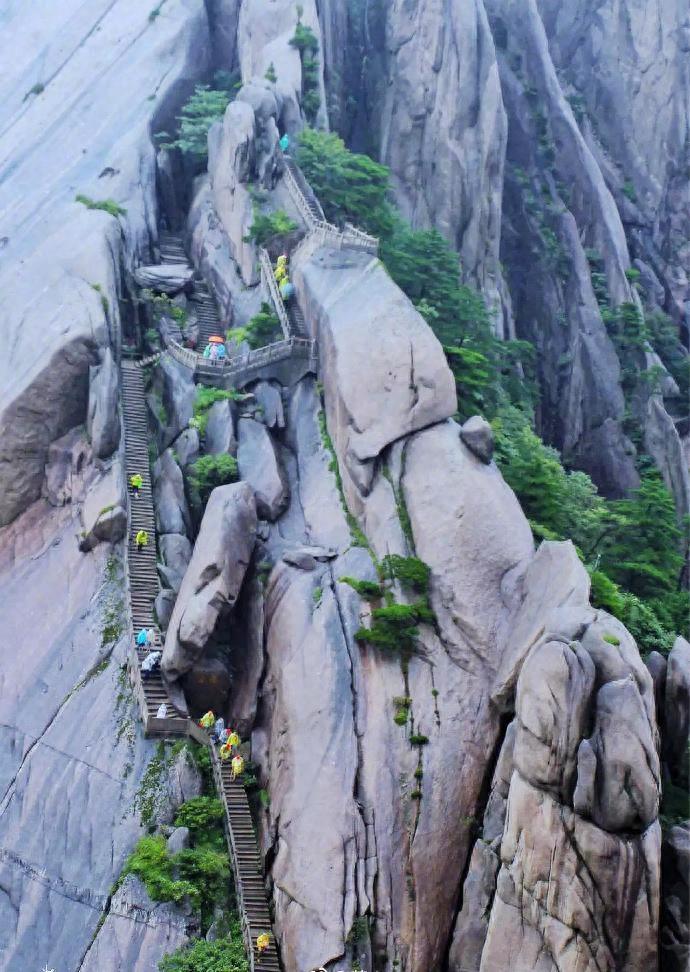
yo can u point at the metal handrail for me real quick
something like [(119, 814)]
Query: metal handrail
[(271, 285), (349, 236)]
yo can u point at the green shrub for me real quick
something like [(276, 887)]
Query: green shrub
[(207, 397), (163, 306), (611, 639), (106, 205), (204, 107), (417, 739), (629, 190), (200, 812), (207, 473), (207, 870), (410, 571), (350, 187), (37, 89), (304, 40), (364, 588), (270, 74), (416, 795), (418, 773), (269, 227), (263, 328), (151, 863), (223, 955)]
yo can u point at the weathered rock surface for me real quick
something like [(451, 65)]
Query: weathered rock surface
[(176, 551), (350, 297), (68, 468), (214, 577), (137, 932), (477, 435), (103, 415), (677, 710), (169, 278), (187, 447), (171, 401), (269, 399), (675, 929), (172, 511), (260, 467), (220, 429), (104, 513), (207, 686)]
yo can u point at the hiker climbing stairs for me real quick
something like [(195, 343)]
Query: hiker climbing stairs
[(248, 867), (143, 573), (143, 586)]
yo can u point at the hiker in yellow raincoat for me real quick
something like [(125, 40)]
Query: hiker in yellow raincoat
[(207, 721), (237, 766), (225, 751), (233, 740), (136, 482), (141, 539), (262, 942), (280, 272)]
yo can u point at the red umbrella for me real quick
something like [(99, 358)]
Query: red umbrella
[(214, 339)]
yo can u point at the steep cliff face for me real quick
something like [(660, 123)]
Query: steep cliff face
[(480, 794)]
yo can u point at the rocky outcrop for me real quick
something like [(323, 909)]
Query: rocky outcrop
[(137, 931), (675, 931), (171, 399), (220, 429), (169, 278), (103, 415), (350, 297), (260, 467), (677, 711), (104, 513), (172, 511), (214, 576)]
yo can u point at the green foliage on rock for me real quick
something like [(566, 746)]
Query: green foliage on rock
[(223, 955), (263, 328), (204, 107), (207, 473), (305, 41), (108, 206), (364, 588), (268, 228), (410, 571), (350, 187), (206, 397)]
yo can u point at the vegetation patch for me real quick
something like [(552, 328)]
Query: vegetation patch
[(269, 228), (207, 473), (304, 40), (223, 955), (263, 328), (105, 205), (364, 588), (204, 107), (206, 397)]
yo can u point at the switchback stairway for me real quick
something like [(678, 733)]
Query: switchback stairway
[(172, 250), (143, 588)]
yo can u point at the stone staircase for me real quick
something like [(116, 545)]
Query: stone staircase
[(141, 564), (308, 194), (143, 588), (171, 248), (249, 880)]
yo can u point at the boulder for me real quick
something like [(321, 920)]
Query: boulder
[(171, 402), (231, 166), (178, 840), (675, 923), (618, 778), (307, 558), (261, 468), (176, 551), (656, 663), (349, 296), (565, 885), (68, 464), (172, 511), (163, 607), (555, 603), (213, 255), (270, 400), (478, 436), (220, 434), (677, 710), (104, 513), (214, 577), (552, 712), (166, 278), (186, 447), (103, 415)]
